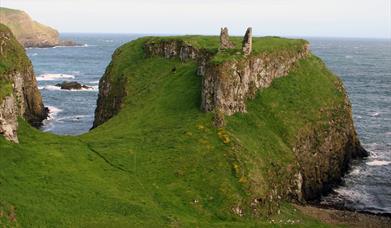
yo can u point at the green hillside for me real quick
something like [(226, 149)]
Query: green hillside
[(160, 161)]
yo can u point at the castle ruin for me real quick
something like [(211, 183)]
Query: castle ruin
[(247, 43)]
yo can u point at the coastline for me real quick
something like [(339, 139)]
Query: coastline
[(333, 216)]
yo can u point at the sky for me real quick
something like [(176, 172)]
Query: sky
[(319, 18)]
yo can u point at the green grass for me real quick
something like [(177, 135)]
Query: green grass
[(268, 44), (160, 161)]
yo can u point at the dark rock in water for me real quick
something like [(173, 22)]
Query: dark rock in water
[(69, 43), (72, 85)]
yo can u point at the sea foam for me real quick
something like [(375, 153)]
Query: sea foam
[(378, 163), (52, 77)]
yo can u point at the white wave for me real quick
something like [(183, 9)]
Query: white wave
[(355, 172), (51, 77), (75, 72), (348, 56), (352, 194), (378, 163), (75, 117), (91, 88), (48, 123), (73, 46), (51, 88), (57, 88), (374, 114), (34, 54), (53, 112), (95, 82)]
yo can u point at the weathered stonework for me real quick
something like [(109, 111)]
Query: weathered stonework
[(225, 43), (247, 45)]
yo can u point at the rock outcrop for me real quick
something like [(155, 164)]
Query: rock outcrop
[(227, 86), (225, 43), (110, 97), (247, 45), (20, 96), (72, 86), (29, 32)]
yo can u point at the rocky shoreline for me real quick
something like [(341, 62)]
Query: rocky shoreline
[(339, 216)]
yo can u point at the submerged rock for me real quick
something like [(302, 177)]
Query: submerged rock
[(72, 85)]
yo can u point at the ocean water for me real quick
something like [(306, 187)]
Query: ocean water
[(72, 112), (365, 67), (363, 64)]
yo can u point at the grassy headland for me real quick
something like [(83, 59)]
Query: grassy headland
[(160, 161)]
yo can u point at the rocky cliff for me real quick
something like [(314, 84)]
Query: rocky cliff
[(325, 150), (323, 145), (19, 95), (29, 32)]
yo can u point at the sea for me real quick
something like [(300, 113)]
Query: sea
[(363, 64)]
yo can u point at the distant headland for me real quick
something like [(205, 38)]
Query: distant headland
[(29, 32)]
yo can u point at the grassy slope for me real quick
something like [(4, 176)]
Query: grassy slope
[(160, 161)]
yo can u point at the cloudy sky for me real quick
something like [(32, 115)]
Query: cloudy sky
[(331, 18)]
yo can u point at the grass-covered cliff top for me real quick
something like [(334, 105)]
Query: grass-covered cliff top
[(160, 161), (268, 44)]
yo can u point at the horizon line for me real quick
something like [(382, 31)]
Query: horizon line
[(233, 35)]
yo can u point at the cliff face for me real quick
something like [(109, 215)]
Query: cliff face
[(20, 96), (227, 86), (325, 150), (29, 32), (110, 97)]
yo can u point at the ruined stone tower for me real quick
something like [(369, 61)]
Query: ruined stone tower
[(248, 42), (225, 43)]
